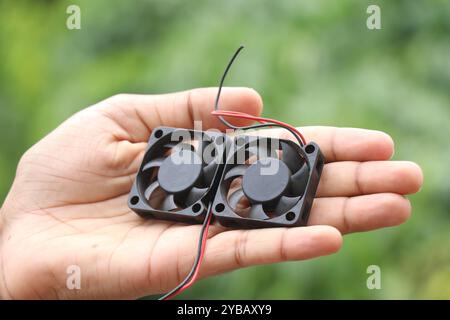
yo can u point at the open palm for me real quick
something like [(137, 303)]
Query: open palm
[(68, 203)]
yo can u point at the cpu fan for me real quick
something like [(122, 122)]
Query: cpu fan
[(177, 175), (267, 183)]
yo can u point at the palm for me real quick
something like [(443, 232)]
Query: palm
[(68, 205)]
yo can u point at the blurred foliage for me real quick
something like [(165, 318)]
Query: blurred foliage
[(314, 62)]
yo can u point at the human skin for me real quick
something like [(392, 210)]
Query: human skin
[(68, 202)]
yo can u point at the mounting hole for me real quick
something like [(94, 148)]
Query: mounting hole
[(196, 207), (290, 216), (158, 133), (310, 148), (220, 207), (134, 200)]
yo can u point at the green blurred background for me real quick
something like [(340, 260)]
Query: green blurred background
[(314, 63)]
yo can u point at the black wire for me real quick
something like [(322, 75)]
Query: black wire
[(197, 258), (251, 127), (222, 80)]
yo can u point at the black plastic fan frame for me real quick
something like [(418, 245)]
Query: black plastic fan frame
[(296, 213), (161, 140)]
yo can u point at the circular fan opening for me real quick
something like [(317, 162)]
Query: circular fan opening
[(284, 189), (172, 184)]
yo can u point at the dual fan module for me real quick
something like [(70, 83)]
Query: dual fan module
[(246, 181), (243, 181)]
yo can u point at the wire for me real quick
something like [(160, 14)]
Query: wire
[(264, 122), (193, 274), (222, 80)]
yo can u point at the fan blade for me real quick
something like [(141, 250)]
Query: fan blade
[(153, 163), (178, 146), (285, 203), (150, 189), (236, 171), (235, 197), (171, 144), (257, 212), (291, 157), (194, 195), (169, 203), (208, 172), (299, 180), (183, 146)]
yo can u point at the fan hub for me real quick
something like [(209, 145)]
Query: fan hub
[(180, 171), (266, 180)]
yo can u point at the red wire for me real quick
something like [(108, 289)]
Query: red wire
[(241, 115), (237, 114), (200, 259)]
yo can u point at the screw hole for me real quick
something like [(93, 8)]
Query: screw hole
[(158, 133), (310, 148), (196, 207), (134, 200), (290, 216), (220, 207)]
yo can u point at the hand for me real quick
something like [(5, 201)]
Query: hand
[(68, 203)]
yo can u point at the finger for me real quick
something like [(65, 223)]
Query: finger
[(340, 144), (139, 114), (235, 249), (360, 213), (348, 178)]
